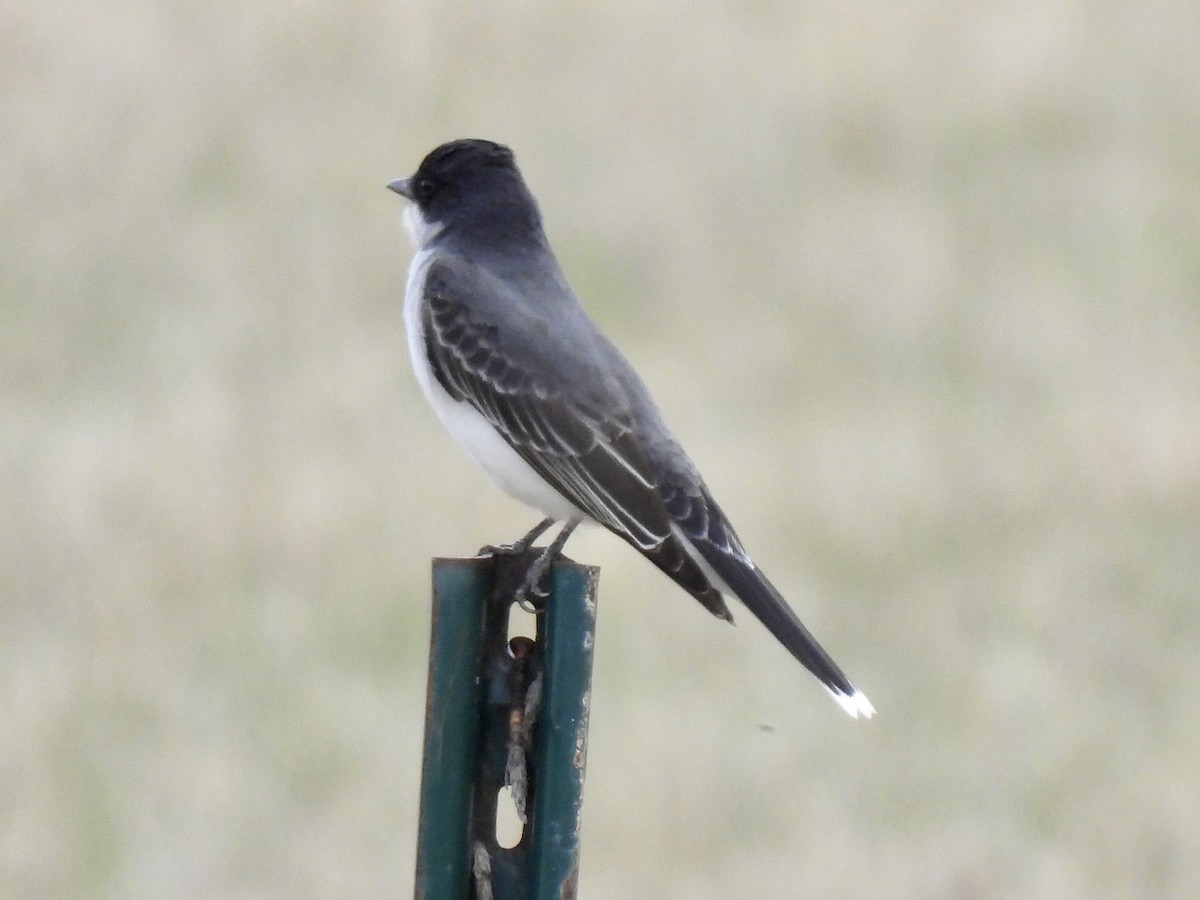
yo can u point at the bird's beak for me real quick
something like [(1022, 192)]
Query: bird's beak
[(402, 186)]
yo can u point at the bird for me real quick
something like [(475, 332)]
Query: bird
[(529, 386)]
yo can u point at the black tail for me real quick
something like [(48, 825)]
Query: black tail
[(751, 586)]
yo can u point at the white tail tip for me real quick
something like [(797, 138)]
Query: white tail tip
[(856, 703)]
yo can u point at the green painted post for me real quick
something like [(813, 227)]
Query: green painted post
[(460, 589), (567, 634), (475, 684)]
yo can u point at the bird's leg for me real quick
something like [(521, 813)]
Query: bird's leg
[(516, 548), (531, 589)]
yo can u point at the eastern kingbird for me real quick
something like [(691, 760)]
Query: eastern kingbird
[(525, 381)]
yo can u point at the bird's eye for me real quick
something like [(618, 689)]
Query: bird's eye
[(425, 189)]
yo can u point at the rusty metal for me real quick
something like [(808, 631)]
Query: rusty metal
[(505, 715)]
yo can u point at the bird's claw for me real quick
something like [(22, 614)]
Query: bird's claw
[(519, 546), (534, 589), (516, 548), (532, 595)]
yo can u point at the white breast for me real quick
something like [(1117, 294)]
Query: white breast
[(467, 425)]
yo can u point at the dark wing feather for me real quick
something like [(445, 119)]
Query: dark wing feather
[(573, 425)]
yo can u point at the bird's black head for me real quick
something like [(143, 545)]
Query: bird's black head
[(469, 185)]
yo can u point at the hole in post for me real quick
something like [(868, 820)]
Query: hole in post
[(521, 623), (509, 827)]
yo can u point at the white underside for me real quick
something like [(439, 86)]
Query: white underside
[(474, 433)]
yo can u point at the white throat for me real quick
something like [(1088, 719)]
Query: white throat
[(420, 230)]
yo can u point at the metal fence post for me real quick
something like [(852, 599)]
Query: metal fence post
[(452, 727), (567, 635), (494, 717)]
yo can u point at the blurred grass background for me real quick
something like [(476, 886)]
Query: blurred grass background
[(932, 274)]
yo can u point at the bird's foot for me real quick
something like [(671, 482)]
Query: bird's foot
[(531, 567), (532, 590), (531, 596), (518, 547)]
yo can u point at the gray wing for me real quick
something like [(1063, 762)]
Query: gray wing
[(569, 415), (589, 428)]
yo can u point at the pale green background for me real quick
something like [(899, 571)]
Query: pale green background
[(917, 284)]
